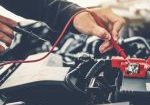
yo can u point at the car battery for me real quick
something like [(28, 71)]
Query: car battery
[(136, 79)]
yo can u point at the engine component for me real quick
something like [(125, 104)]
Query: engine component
[(132, 67), (87, 78)]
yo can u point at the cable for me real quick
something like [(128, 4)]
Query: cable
[(96, 69), (99, 22), (137, 38), (52, 48), (67, 78), (19, 29), (114, 43)]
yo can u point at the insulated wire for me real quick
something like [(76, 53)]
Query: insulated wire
[(52, 48), (99, 22), (24, 31)]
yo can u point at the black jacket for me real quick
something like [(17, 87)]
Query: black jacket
[(53, 12)]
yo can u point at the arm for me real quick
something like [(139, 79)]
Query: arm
[(53, 12), (56, 13)]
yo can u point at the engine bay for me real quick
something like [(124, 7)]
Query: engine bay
[(76, 73)]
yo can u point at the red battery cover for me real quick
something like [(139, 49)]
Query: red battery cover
[(122, 64)]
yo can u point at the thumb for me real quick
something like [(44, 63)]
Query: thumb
[(101, 33)]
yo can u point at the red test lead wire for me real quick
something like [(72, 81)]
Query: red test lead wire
[(114, 43), (99, 22), (52, 48)]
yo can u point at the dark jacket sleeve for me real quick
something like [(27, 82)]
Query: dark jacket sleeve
[(53, 12)]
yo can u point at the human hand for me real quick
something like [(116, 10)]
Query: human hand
[(6, 33), (85, 23)]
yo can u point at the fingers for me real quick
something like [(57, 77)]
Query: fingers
[(8, 21), (6, 33), (4, 38), (5, 29), (101, 33), (116, 28), (105, 46), (86, 24), (117, 23), (2, 49)]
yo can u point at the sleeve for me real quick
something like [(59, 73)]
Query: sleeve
[(53, 12)]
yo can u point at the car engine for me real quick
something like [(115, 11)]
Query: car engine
[(76, 73)]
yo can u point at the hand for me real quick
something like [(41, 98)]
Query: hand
[(85, 23), (6, 33)]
